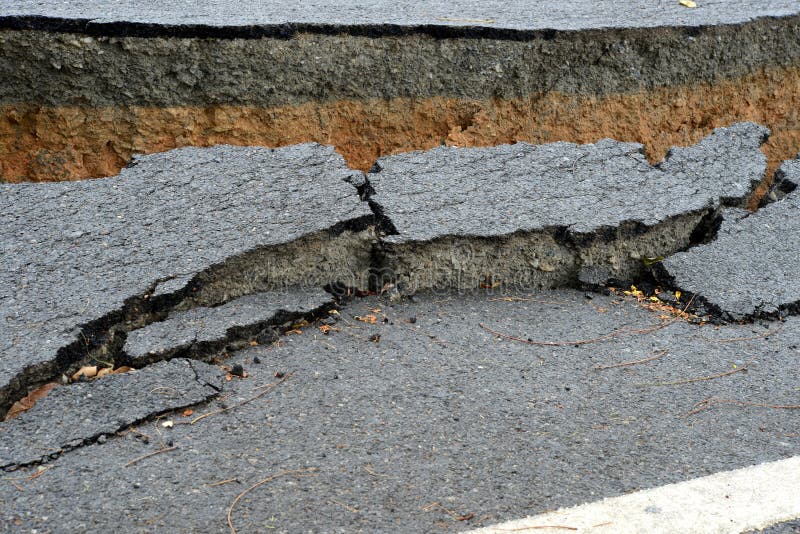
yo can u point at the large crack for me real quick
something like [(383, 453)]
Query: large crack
[(541, 216), (549, 216), (88, 412), (749, 270), (89, 261)]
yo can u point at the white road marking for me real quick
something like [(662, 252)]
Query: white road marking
[(731, 502)]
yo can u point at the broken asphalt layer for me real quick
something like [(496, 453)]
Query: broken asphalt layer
[(91, 261), (750, 268), (201, 331), (72, 416), (536, 216), (84, 262), (87, 85), (440, 410)]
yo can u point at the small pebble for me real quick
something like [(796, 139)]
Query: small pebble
[(237, 370), (256, 359)]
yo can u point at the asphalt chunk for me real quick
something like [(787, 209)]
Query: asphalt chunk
[(72, 416), (543, 216), (203, 331), (198, 226), (750, 269)]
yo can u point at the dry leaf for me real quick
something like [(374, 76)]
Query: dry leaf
[(688, 3), (90, 371), (122, 369), (187, 412), (371, 319), (253, 343), (103, 372), (27, 402)]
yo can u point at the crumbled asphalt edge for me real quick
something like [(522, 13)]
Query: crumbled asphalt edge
[(15, 453), (311, 63), (139, 349), (100, 338), (705, 224), (105, 337), (787, 178)]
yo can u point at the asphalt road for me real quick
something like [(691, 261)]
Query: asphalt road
[(517, 14), (425, 417)]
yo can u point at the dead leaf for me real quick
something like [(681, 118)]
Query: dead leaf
[(122, 369), (324, 328), (187, 412), (90, 371), (253, 343), (103, 372), (371, 319), (28, 401), (688, 3)]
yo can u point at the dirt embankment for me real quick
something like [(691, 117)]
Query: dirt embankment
[(71, 142)]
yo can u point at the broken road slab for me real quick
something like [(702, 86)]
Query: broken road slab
[(75, 415), (751, 268), (200, 332), (81, 259), (535, 216)]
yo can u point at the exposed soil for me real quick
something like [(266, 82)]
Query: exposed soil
[(69, 143)]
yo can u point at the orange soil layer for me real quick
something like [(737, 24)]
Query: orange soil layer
[(67, 143)]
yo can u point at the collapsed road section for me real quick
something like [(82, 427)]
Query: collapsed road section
[(89, 84), (750, 269), (85, 262), (182, 233), (545, 216)]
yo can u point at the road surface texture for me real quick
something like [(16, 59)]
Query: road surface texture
[(399, 267)]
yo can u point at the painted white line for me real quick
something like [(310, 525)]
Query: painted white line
[(730, 502)]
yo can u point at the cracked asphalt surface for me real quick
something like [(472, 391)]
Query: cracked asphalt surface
[(440, 410)]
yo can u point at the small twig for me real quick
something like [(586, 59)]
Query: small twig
[(368, 469), (751, 338), (345, 506), (711, 401), (267, 389), (261, 482), (635, 362), (159, 451), (523, 299), (221, 482), (703, 378), (606, 337), (38, 473)]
